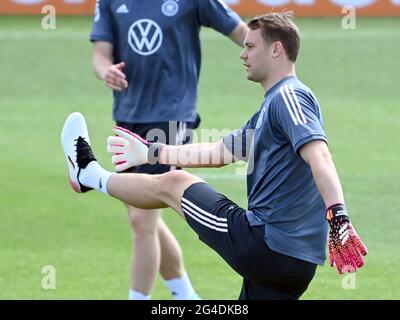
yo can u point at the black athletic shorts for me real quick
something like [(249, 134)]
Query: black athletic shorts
[(224, 227), (173, 133)]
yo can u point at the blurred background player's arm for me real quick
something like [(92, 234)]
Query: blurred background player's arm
[(111, 74), (239, 33)]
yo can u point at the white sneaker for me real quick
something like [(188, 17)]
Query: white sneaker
[(77, 150)]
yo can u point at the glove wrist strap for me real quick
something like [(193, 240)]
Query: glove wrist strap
[(336, 211)]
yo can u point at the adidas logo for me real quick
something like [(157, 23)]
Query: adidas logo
[(122, 9)]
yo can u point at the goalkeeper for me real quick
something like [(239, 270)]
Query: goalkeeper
[(294, 193)]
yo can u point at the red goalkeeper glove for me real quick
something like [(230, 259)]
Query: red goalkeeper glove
[(346, 249)]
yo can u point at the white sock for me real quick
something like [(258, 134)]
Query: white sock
[(94, 176), (136, 295), (181, 288)]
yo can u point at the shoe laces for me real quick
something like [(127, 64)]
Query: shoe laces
[(84, 153)]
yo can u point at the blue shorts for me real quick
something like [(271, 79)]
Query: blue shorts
[(223, 226), (173, 133)]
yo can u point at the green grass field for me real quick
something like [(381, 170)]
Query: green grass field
[(45, 75)]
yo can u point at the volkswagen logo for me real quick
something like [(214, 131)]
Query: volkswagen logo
[(145, 37)]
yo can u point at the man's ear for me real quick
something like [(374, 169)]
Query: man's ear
[(277, 49)]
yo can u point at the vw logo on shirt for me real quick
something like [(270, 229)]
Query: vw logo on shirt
[(145, 37)]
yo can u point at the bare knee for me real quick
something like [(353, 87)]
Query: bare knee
[(174, 183), (143, 223)]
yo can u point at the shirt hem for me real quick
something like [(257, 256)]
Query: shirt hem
[(295, 255)]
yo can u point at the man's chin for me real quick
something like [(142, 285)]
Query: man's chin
[(251, 78)]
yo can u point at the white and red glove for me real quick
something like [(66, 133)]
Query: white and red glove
[(346, 249), (131, 150)]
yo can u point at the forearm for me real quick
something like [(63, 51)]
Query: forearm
[(131, 150), (327, 180), (100, 64), (345, 246), (316, 154), (196, 155)]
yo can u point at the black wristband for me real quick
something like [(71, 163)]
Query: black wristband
[(153, 154), (336, 211)]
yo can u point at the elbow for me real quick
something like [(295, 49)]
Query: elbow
[(326, 156)]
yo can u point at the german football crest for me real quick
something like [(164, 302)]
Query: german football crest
[(170, 8)]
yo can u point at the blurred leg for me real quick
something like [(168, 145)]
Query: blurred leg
[(171, 254), (146, 248)]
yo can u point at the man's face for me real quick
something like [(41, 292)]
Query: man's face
[(256, 56)]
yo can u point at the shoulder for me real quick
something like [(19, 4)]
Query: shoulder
[(104, 3), (294, 95), (290, 101)]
